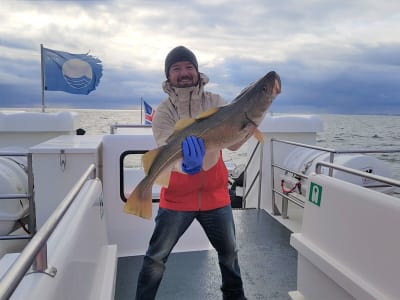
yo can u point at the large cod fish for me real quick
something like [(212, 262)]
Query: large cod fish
[(227, 126)]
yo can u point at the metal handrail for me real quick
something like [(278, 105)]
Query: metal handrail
[(335, 151), (35, 253), (390, 181), (330, 150), (30, 196), (13, 196), (115, 126), (303, 145), (286, 198)]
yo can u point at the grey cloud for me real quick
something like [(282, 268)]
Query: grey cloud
[(318, 48)]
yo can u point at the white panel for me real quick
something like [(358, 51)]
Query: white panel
[(53, 180), (352, 237)]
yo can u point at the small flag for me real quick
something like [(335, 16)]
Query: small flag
[(148, 113), (71, 73)]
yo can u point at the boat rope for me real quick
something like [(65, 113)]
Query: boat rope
[(288, 191)]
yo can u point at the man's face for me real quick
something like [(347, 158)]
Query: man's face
[(183, 74)]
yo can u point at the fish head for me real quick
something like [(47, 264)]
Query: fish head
[(258, 97)]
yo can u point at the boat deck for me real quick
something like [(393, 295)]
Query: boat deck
[(268, 265)]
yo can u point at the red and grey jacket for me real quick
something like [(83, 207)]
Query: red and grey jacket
[(205, 190)]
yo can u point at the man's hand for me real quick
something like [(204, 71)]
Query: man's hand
[(193, 151)]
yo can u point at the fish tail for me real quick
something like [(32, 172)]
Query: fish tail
[(139, 202)]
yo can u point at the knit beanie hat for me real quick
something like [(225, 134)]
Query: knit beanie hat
[(177, 54)]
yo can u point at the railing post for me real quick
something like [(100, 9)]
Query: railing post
[(318, 168), (40, 265), (275, 211), (260, 174), (331, 158)]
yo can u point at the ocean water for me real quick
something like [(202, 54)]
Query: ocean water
[(341, 132), (366, 132)]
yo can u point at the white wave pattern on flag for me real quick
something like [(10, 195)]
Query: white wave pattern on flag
[(77, 73), (78, 82)]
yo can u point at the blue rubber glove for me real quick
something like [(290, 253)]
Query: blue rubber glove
[(193, 151)]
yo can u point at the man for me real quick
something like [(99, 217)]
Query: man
[(198, 187)]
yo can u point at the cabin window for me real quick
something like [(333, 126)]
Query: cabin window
[(131, 172)]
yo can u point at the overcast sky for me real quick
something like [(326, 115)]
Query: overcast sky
[(339, 56)]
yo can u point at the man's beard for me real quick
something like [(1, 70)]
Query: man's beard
[(185, 81)]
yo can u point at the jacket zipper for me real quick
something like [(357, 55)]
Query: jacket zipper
[(190, 104)]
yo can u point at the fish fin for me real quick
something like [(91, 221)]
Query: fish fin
[(207, 113), (148, 158), (163, 179), (183, 123), (259, 135), (139, 202)]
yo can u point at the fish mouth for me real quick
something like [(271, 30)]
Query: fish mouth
[(272, 85), (277, 89)]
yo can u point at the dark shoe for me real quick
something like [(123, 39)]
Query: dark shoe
[(234, 296)]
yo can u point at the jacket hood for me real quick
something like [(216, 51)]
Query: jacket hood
[(174, 91)]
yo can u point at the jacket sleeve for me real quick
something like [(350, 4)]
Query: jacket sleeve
[(163, 126), (217, 100)]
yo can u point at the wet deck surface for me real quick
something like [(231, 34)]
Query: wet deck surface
[(268, 265)]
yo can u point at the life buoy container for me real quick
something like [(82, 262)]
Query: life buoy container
[(304, 160), (13, 180)]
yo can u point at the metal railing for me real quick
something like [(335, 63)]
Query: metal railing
[(390, 181), (332, 153), (113, 127), (29, 195), (35, 253), (246, 191)]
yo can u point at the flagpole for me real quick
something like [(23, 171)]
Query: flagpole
[(141, 110), (43, 70)]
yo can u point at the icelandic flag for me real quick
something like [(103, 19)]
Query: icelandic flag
[(148, 113), (71, 73)]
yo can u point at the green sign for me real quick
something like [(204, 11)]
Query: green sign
[(314, 195)]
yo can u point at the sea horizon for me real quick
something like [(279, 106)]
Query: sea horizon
[(138, 108)]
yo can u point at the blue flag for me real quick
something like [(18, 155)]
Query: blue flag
[(71, 73), (148, 113)]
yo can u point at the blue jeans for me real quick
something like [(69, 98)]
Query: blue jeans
[(219, 227)]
